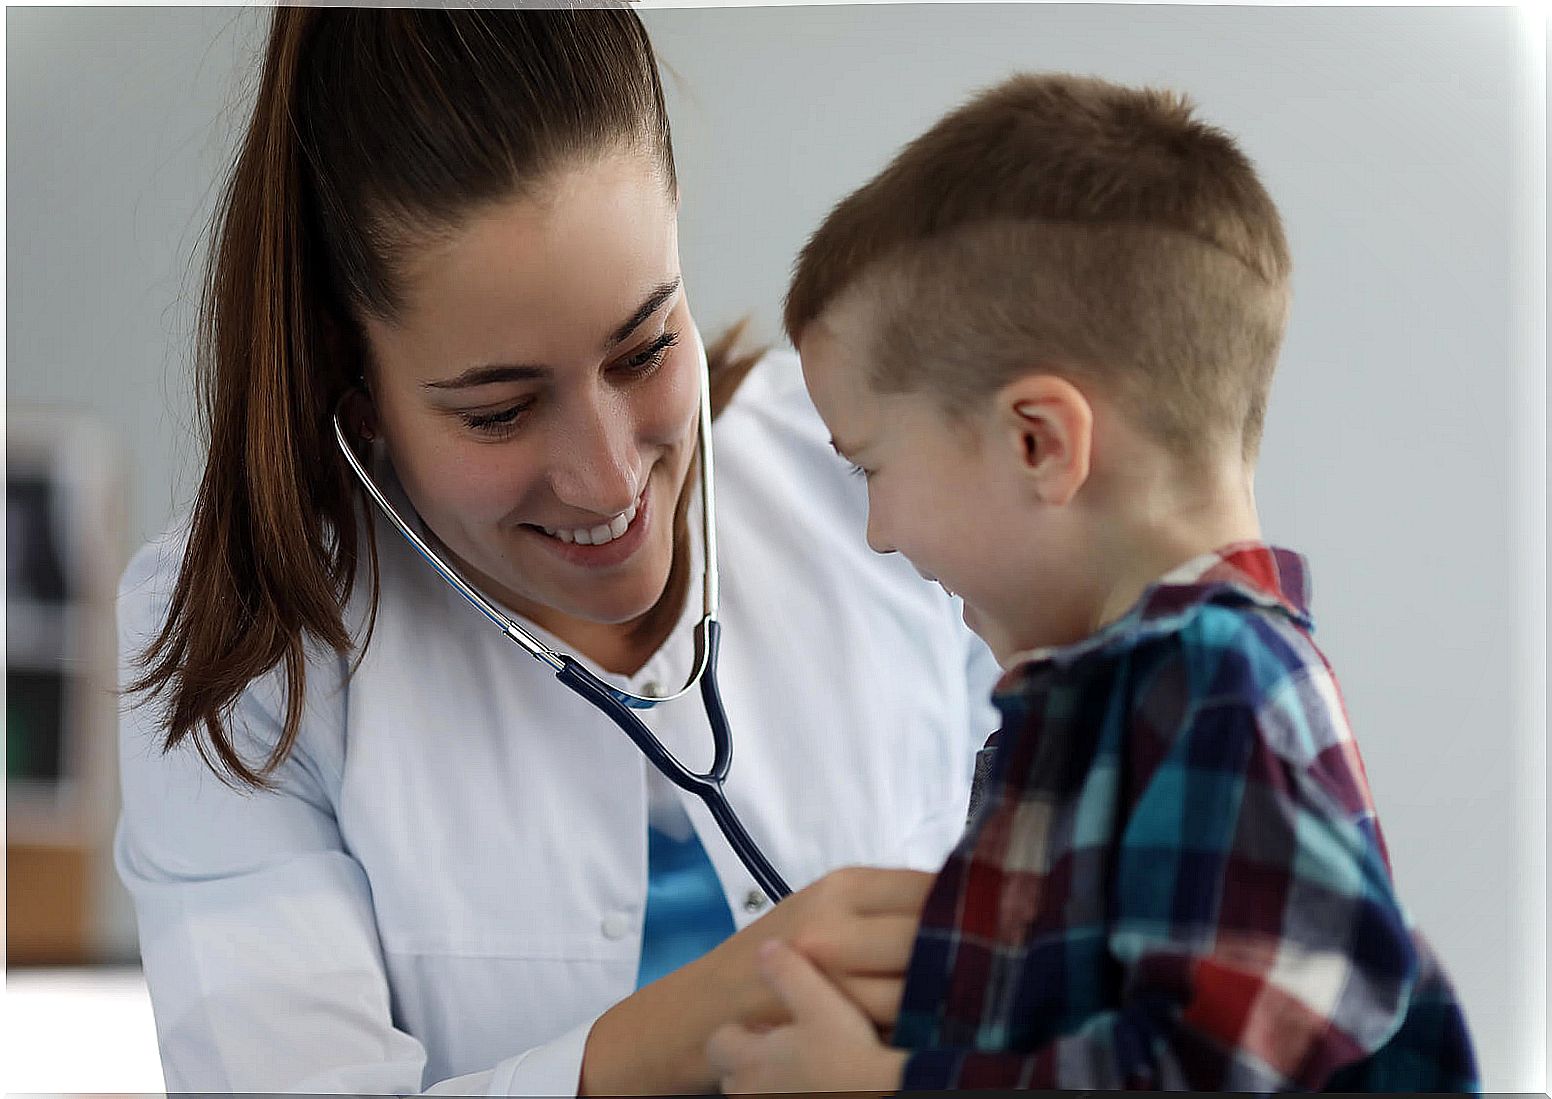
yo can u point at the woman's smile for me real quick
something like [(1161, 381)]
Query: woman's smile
[(603, 546)]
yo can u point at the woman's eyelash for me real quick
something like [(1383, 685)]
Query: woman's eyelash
[(496, 422), (505, 420), (856, 470), (649, 358)]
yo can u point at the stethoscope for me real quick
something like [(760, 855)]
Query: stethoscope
[(619, 704)]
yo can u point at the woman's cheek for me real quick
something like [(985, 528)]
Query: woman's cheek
[(469, 482), (490, 486), (672, 410)]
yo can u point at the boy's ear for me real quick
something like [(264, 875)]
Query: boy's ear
[(1049, 424)]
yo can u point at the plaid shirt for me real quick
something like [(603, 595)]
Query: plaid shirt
[(1176, 878)]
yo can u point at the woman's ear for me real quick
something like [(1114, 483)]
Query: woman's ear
[(344, 343), (1048, 424), (361, 414)]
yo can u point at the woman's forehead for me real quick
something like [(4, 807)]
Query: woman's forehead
[(548, 277)]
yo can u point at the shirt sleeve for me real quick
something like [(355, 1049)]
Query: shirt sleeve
[(258, 936), (1256, 939)]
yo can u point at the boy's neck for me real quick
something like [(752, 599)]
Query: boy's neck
[(1156, 536)]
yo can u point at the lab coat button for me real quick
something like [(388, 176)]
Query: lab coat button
[(652, 688), (754, 901), (615, 925)]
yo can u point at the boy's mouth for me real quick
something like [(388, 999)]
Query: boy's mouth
[(931, 579)]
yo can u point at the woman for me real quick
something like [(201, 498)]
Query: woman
[(372, 846)]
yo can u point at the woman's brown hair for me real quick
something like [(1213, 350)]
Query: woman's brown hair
[(370, 126)]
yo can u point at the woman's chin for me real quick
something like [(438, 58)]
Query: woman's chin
[(620, 614), (618, 607)]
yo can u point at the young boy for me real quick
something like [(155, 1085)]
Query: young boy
[(1045, 334)]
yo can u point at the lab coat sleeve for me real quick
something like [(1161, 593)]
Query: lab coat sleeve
[(257, 931), (931, 840), (554, 1068)]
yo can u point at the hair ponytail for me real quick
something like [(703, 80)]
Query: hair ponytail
[(272, 545)]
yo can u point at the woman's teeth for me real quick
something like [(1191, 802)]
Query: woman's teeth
[(599, 535)]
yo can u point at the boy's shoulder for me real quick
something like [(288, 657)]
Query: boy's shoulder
[(1243, 608), (1226, 639)]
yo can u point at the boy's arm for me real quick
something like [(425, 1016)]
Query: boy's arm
[(1259, 943)]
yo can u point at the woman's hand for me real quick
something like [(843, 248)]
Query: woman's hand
[(856, 926), (828, 1046)]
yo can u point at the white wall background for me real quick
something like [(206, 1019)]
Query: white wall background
[(1405, 450)]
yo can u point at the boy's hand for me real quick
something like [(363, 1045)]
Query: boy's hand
[(829, 1045)]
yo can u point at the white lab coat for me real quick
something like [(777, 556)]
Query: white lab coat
[(447, 889)]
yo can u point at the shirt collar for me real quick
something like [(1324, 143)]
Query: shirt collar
[(1268, 576)]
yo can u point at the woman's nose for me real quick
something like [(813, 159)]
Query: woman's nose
[(597, 463)]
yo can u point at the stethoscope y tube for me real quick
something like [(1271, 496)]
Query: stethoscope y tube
[(707, 787)]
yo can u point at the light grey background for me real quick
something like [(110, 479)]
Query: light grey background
[(1401, 450)]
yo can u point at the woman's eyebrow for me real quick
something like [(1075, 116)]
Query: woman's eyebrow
[(488, 375), (523, 372), (652, 304)]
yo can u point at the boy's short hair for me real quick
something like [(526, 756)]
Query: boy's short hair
[(1064, 223)]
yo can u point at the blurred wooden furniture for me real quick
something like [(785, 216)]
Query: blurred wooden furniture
[(64, 535)]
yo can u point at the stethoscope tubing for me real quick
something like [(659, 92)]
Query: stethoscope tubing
[(709, 786)]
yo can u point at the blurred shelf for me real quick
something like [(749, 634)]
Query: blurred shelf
[(39, 635)]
